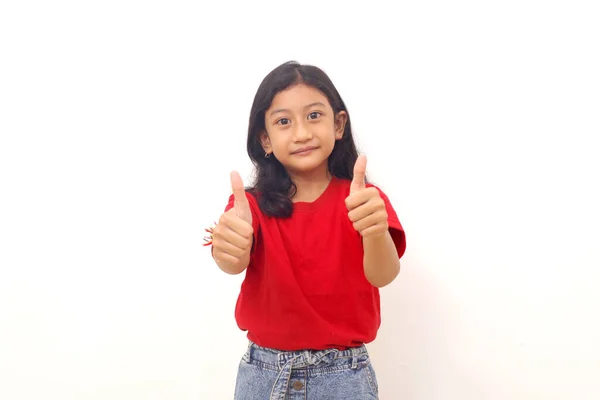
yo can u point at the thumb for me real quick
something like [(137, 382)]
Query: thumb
[(240, 201), (360, 169)]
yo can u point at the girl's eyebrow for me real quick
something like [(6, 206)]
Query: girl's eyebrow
[(318, 103)]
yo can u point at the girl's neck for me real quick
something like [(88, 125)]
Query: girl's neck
[(311, 186)]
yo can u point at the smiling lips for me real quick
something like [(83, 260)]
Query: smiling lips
[(304, 150)]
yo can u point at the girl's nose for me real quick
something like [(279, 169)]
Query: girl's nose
[(302, 133)]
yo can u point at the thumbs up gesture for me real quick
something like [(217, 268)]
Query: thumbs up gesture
[(240, 205), (366, 208), (233, 235)]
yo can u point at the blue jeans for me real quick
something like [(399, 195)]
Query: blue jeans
[(267, 374)]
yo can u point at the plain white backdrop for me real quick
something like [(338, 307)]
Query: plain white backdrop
[(121, 120)]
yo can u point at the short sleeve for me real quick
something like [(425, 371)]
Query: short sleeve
[(395, 227), (255, 214)]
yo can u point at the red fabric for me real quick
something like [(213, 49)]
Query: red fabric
[(305, 286)]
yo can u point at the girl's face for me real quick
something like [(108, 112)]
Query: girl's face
[(301, 129)]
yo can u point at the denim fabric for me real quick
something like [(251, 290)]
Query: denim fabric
[(267, 374)]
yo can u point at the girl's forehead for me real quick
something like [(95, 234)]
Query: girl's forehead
[(298, 97)]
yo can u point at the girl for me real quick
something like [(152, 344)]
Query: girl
[(316, 241)]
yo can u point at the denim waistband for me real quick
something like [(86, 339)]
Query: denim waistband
[(304, 358)]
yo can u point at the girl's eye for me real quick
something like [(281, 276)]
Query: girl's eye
[(314, 115), (283, 121)]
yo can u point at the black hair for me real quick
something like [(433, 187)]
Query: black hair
[(273, 186)]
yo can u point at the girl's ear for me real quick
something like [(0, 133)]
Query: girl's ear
[(265, 142), (340, 124)]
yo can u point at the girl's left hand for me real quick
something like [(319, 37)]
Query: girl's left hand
[(366, 208)]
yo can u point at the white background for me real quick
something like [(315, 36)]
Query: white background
[(120, 122)]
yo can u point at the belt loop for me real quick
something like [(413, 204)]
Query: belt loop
[(308, 357), (283, 357), (354, 358)]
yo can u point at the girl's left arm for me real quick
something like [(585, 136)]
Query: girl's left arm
[(368, 213), (368, 210)]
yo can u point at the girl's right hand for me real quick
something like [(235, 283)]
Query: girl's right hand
[(233, 235)]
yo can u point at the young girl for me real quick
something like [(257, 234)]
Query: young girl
[(316, 241)]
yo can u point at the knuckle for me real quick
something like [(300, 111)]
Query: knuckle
[(218, 231)]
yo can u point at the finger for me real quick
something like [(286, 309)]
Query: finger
[(225, 247), (361, 197), (224, 257), (361, 212), (369, 221), (239, 193), (226, 234), (374, 231), (360, 170), (238, 225)]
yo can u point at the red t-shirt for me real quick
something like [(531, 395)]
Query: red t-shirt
[(305, 286)]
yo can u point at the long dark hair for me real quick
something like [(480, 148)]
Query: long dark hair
[(273, 186)]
